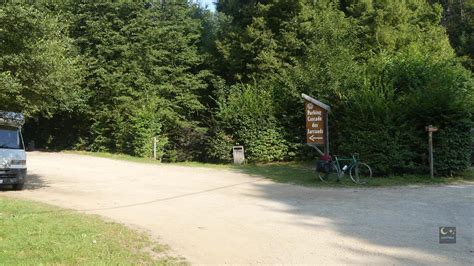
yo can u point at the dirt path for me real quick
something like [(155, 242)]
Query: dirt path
[(222, 216)]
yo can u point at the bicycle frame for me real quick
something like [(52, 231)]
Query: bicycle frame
[(338, 162), (359, 172)]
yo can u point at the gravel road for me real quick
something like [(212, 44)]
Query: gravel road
[(224, 216)]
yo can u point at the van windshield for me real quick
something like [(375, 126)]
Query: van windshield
[(10, 138)]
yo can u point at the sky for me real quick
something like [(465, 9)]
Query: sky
[(209, 3)]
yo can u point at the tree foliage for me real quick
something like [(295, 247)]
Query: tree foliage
[(39, 67), (458, 18), (112, 75)]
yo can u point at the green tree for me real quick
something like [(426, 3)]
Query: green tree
[(458, 18), (390, 26), (254, 39), (412, 79), (366, 59), (288, 47), (39, 67), (141, 61)]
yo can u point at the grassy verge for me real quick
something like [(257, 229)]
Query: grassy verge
[(33, 234), (130, 158), (302, 173)]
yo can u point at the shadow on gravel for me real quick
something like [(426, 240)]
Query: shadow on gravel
[(33, 182), (403, 222)]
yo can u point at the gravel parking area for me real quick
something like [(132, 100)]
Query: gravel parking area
[(224, 216)]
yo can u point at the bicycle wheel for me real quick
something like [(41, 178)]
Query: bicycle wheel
[(330, 175), (360, 173)]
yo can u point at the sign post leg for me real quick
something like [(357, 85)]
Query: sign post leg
[(318, 150), (326, 134)]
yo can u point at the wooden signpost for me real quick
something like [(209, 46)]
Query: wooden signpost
[(317, 130), (430, 130)]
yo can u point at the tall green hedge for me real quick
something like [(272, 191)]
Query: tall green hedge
[(247, 114), (386, 121)]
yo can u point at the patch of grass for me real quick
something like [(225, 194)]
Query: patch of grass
[(301, 173), (34, 233), (130, 158), (304, 174), (292, 172), (108, 155)]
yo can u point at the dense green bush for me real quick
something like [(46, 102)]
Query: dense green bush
[(452, 149), (373, 126), (135, 134), (386, 122), (247, 114), (219, 147), (263, 144)]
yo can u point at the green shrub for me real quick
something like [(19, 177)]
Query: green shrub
[(219, 147), (371, 125), (143, 127), (247, 114), (452, 150), (129, 129), (263, 144), (385, 122)]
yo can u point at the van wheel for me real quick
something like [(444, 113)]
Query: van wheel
[(18, 186)]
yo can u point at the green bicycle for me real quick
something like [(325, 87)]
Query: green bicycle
[(336, 168)]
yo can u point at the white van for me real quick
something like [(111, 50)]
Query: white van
[(12, 150)]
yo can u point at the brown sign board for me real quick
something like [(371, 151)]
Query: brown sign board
[(315, 123), (316, 115)]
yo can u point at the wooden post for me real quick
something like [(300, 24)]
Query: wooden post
[(154, 148), (326, 133), (430, 144), (430, 130)]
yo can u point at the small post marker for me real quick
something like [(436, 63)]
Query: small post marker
[(430, 130), (154, 148)]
